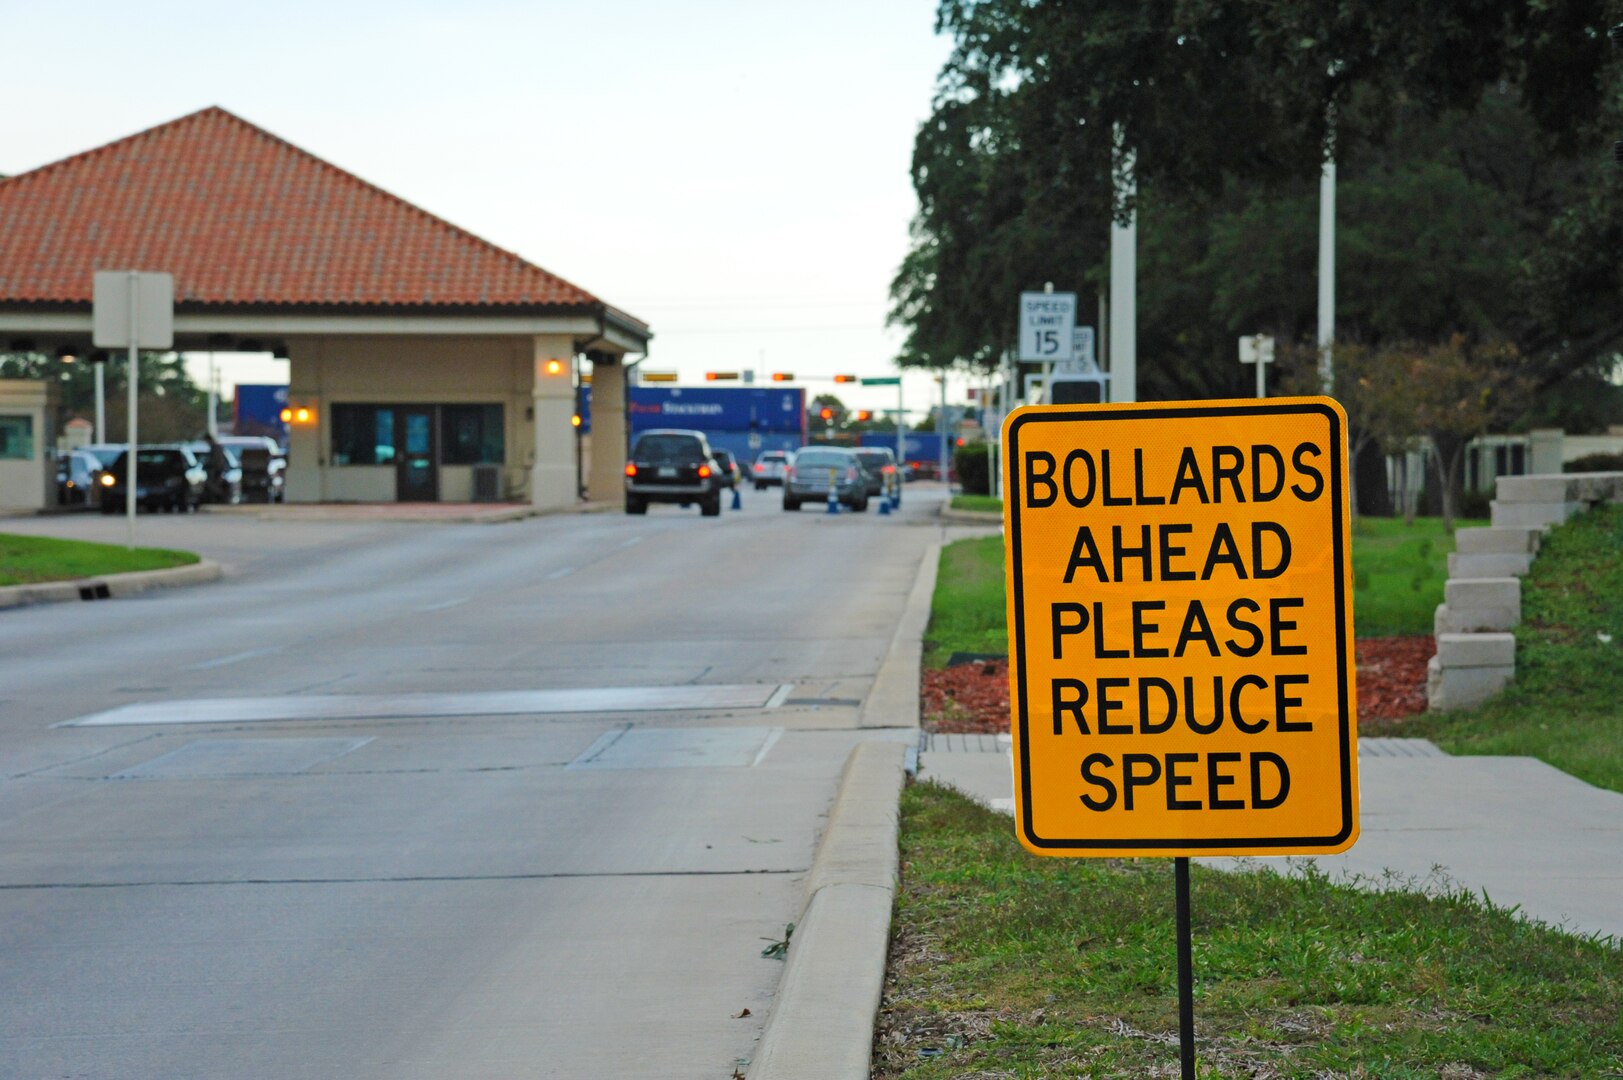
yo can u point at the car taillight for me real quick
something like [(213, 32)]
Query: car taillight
[(850, 474), (788, 472), (631, 468), (890, 468), (704, 472), (759, 467)]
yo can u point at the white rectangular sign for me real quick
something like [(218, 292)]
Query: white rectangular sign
[(1081, 361), (153, 310), (1046, 324)]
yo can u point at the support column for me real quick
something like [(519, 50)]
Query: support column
[(552, 477), (606, 480)]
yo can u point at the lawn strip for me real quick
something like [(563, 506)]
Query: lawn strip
[(1004, 964), (984, 504), (29, 560)]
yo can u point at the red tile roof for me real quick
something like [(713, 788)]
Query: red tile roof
[(242, 218)]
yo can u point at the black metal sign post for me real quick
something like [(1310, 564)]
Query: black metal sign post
[(1186, 973)]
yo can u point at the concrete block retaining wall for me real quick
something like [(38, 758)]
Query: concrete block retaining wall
[(1476, 653)]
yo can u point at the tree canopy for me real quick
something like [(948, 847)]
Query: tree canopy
[(1474, 194)]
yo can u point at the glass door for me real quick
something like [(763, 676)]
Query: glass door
[(417, 473)]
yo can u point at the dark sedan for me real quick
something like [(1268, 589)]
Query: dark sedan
[(166, 478)]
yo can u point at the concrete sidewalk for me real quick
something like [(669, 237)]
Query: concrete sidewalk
[(1526, 834)]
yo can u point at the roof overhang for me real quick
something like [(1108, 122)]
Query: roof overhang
[(603, 328)]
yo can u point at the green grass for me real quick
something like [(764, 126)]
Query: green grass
[(983, 503), (1398, 574), (1007, 965), (27, 560), (966, 613), (1566, 705)]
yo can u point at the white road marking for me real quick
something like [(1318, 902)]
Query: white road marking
[(390, 706), (779, 696), (443, 604), (563, 573), (234, 658)]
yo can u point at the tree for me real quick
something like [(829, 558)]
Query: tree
[(1466, 137), (1456, 392)]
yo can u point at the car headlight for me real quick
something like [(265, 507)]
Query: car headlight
[(107, 479)]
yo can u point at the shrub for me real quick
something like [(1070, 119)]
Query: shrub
[(1595, 463), (973, 463)]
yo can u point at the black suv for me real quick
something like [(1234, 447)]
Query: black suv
[(673, 466)]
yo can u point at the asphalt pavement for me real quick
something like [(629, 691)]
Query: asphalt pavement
[(402, 800)]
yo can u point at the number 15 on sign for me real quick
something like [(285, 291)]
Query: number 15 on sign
[(1047, 321)]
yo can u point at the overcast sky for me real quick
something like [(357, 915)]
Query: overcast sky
[(735, 172)]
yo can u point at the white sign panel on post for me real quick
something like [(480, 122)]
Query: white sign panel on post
[(1046, 323), (153, 310)]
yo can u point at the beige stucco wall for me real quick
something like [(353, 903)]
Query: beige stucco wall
[(606, 480), (405, 370), (27, 484)]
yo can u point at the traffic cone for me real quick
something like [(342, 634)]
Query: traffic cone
[(738, 503)]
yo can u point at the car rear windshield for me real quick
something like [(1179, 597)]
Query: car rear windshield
[(873, 459), (668, 449), (152, 463), (774, 455), (821, 459)]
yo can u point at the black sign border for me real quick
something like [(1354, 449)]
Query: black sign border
[(1018, 644)]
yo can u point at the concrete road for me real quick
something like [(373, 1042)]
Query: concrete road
[(433, 871)]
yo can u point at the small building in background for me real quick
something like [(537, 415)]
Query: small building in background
[(27, 445), (426, 364)]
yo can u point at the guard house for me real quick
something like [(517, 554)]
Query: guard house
[(427, 364)]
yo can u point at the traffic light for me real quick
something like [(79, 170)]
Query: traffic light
[(863, 415), (845, 378), (782, 376), (827, 413), (720, 376)]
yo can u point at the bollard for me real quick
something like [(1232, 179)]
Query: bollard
[(833, 495), (884, 505), (738, 503)]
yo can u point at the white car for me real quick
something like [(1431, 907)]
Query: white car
[(768, 469)]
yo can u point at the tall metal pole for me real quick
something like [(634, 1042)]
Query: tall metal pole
[(214, 400), (1186, 972), (1327, 273), (101, 400), (134, 360), (1123, 281), (941, 428), (901, 435)]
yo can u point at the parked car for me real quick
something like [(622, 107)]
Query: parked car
[(768, 469), (264, 466), (813, 468), (729, 467), (671, 465), (76, 473), (166, 477), (884, 479)]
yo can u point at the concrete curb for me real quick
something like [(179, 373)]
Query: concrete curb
[(821, 1025), (894, 699), (109, 586)]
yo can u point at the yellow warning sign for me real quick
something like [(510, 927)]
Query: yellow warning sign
[(1181, 628)]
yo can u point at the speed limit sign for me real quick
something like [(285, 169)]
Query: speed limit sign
[(1046, 323)]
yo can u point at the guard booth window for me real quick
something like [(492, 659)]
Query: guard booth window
[(469, 434), (17, 437), (472, 435), (363, 435)]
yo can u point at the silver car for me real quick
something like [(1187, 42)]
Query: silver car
[(814, 469)]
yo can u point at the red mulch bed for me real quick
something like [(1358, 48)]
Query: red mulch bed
[(974, 697)]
